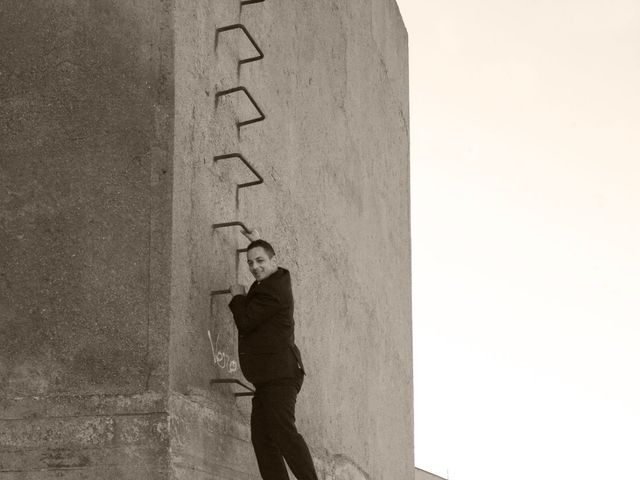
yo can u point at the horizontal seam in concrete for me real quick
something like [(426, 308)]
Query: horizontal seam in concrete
[(81, 395), (54, 469), (42, 469), (84, 448), (185, 466), (59, 417), (206, 403)]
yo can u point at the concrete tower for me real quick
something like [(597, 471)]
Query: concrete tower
[(124, 137)]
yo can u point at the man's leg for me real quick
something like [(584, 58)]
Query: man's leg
[(269, 457), (279, 404)]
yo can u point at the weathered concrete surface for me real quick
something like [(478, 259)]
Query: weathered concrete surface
[(85, 203), (86, 110), (79, 437), (334, 154), (109, 126)]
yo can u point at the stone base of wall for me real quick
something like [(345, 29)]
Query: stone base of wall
[(101, 437)]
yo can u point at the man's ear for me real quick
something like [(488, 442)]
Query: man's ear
[(274, 259)]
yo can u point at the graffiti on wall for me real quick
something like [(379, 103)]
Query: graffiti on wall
[(222, 359)]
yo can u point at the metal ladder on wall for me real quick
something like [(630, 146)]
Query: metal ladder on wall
[(248, 391)]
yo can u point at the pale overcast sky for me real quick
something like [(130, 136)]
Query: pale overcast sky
[(525, 132)]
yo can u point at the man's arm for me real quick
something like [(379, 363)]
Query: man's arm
[(250, 315), (252, 234)]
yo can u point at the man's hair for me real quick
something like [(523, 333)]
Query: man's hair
[(264, 244)]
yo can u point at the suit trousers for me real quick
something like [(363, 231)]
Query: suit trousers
[(274, 435)]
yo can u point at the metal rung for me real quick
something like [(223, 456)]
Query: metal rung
[(231, 224), (249, 166), (249, 393), (249, 2), (246, 92), (239, 26), (220, 292)]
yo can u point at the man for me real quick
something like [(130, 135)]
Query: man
[(271, 361)]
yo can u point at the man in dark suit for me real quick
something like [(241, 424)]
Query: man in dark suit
[(271, 361)]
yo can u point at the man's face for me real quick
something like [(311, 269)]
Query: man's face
[(260, 264)]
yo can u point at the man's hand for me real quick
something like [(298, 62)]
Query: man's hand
[(251, 234), (237, 289)]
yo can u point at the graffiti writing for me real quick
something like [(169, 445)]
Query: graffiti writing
[(221, 359)]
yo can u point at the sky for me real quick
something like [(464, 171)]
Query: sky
[(525, 177)]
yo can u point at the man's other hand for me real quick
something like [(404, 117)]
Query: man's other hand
[(251, 234), (237, 289)]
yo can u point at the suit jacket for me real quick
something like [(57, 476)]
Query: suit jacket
[(266, 341)]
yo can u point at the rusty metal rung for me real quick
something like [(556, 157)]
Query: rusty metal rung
[(220, 292), (239, 26), (260, 118), (231, 224), (249, 166), (250, 391)]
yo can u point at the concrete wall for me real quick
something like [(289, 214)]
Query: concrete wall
[(86, 111), (424, 475), (136, 259)]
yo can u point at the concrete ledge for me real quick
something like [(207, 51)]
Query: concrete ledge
[(79, 405)]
